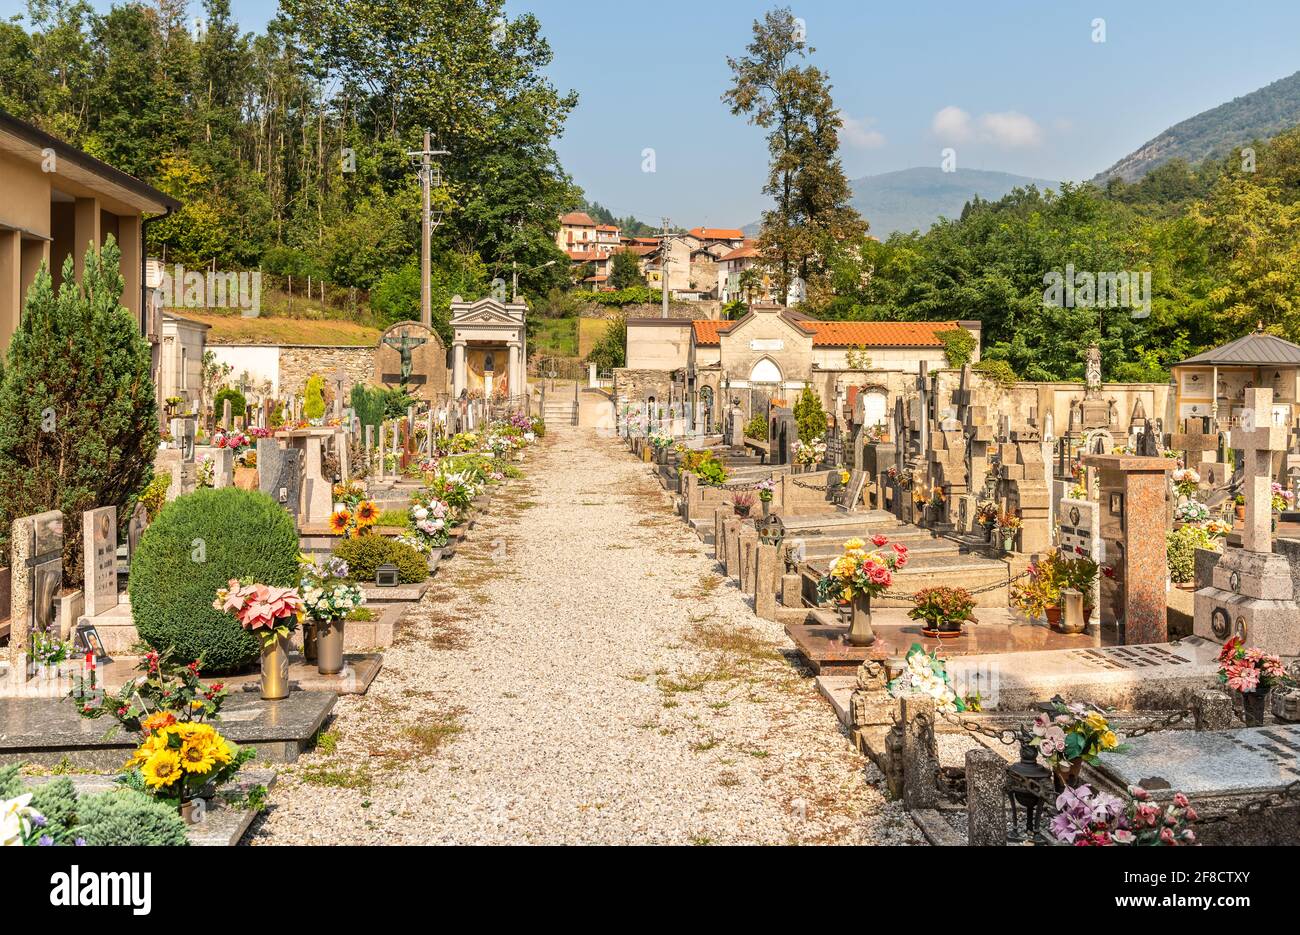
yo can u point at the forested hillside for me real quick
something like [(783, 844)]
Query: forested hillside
[(289, 148)]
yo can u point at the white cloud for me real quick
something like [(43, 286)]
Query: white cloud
[(858, 133), (952, 125), (1009, 129)]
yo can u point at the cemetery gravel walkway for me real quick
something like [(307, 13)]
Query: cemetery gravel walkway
[(578, 673)]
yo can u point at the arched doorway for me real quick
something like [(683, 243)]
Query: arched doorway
[(765, 371)]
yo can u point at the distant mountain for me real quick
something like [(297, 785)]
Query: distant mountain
[(1213, 133), (913, 199)]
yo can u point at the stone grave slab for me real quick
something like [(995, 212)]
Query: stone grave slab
[(1148, 676), (820, 641), (44, 731), (280, 475), (1209, 763)]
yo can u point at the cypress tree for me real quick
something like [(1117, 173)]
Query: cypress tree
[(78, 417)]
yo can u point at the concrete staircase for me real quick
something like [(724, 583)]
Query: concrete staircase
[(559, 414)]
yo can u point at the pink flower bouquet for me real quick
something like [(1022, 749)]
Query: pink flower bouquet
[(1249, 670), (261, 608)]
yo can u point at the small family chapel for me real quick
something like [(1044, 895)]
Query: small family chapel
[(489, 348)]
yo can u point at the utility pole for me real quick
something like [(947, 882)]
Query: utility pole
[(663, 266), (426, 228)]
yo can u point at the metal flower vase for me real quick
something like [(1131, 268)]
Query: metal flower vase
[(329, 646), (860, 632), (275, 667)]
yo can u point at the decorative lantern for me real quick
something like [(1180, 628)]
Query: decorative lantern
[(1029, 786), (386, 575)]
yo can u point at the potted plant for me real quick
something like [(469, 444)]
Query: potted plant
[(742, 503), (1281, 501), (328, 597), (765, 491), (1180, 552), (944, 610), (858, 575), (1008, 525), (1239, 506), (273, 614), (1070, 735), (986, 515), (1253, 674), (1040, 595)]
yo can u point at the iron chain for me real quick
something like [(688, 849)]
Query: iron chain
[(1158, 724)]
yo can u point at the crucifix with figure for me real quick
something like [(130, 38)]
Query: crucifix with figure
[(405, 345)]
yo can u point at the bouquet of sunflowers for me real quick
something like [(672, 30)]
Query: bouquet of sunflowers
[(353, 513), (862, 572), (182, 759)]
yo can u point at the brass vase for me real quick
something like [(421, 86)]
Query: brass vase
[(329, 646), (860, 632), (275, 668), (309, 640)]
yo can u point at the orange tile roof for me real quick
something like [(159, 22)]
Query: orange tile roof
[(707, 330), (717, 233), (876, 333), (577, 219), (606, 227), (739, 254)]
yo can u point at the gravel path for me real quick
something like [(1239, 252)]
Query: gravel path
[(579, 674)]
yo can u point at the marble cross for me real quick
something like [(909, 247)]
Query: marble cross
[(1258, 438)]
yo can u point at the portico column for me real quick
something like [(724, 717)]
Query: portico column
[(457, 367), (513, 372)]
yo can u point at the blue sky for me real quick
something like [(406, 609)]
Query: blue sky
[(1013, 85)]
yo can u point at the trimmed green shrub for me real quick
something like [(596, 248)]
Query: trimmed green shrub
[(313, 406), (365, 553), (124, 818), (57, 801), (757, 427), (810, 416), (78, 420), (196, 545), (238, 404)]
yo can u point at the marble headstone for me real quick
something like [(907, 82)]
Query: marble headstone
[(99, 532)]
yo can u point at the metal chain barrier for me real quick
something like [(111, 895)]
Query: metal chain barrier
[(1159, 724), (1005, 735)]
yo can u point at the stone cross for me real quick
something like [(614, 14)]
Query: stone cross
[(1258, 438)]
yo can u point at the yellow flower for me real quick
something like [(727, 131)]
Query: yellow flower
[(1096, 721), (162, 769), (1109, 741), (196, 756), (854, 545), (846, 595)]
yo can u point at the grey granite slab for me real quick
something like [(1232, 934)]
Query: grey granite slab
[(46, 731), (1140, 677), (1209, 763)]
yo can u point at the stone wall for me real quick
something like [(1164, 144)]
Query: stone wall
[(299, 363), (691, 311), (636, 385)]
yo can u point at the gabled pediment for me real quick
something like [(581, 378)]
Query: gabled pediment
[(486, 310)]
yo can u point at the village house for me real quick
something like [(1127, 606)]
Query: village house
[(56, 200)]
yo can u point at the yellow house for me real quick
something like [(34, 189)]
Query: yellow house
[(56, 200)]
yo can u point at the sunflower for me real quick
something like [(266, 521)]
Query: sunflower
[(339, 521), (197, 755), (367, 513), (162, 769)]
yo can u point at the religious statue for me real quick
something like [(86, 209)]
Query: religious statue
[(405, 345)]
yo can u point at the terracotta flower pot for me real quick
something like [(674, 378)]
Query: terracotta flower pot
[(1054, 617)]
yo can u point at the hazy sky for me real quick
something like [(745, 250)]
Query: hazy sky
[(1013, 86)]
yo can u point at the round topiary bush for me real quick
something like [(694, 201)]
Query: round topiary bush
[(365, 553), (238, 404), (125, 818), (196, 545)]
